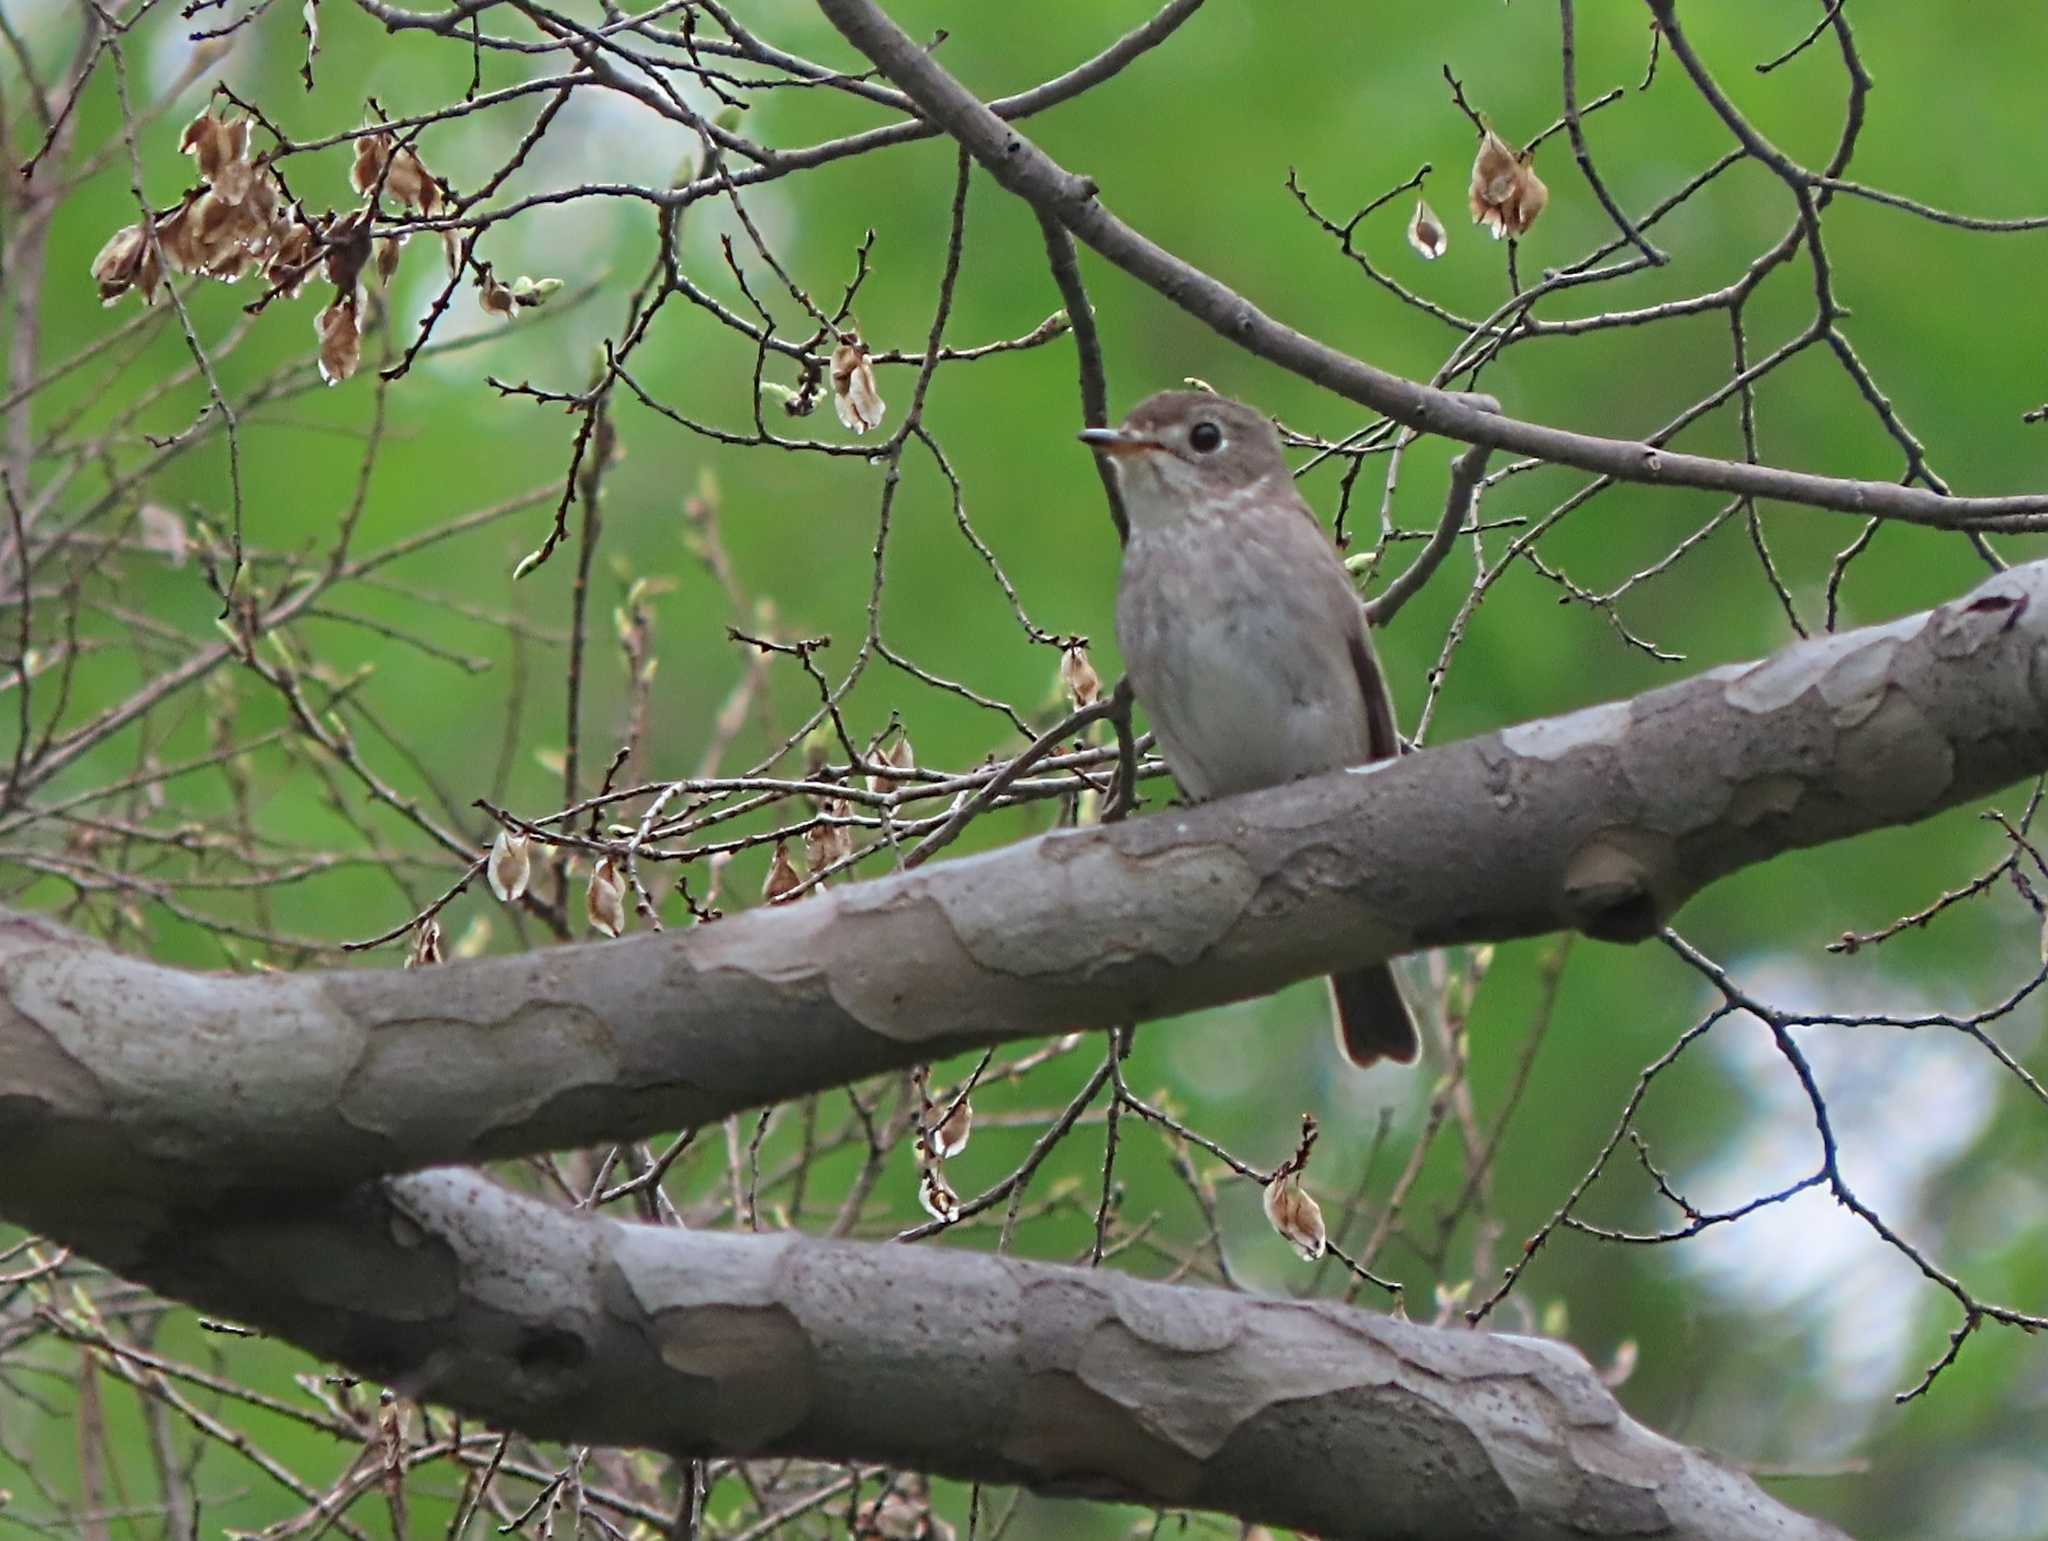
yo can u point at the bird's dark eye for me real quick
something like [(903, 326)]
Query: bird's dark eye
[(1205, 438)]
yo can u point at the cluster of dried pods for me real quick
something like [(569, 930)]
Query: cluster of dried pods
[(1506, 195), (242, 219)]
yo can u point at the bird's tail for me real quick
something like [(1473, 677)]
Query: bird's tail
[(1373, 1019)]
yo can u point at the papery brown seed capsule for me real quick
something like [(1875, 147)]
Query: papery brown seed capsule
[(265, 201), (291, 261), (411, 183), (372, 150), (1531, 198), (198, 136), (348, 249), (950, 1137), (1426, 232), (119, 261), (233, 175), (1493, 175), (406, 178), (511, 865), (1084, 686), (604, 902), (859, 404), (341, 341), (496, 299), (177, 236), (783, 878), (1506, 193), (388, 248), (204, 141), (228, 238), (426, 944), (212, 225), (1296, 1215), (825, 844), (937, 1196), (149, 276), (898, 757)]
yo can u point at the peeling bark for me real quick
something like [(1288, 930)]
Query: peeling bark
[(123, 1079), (1072, 1382), (211, 1136)]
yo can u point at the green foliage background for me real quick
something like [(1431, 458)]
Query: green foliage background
[(1778, 1341)]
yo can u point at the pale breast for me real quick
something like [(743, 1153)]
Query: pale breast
[(1237, 648)]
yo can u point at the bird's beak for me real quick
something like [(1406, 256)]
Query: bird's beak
[(1116, 441)]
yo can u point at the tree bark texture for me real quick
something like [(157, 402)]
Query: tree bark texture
[(215, 1136), (1074, 1382), (122, 1076)]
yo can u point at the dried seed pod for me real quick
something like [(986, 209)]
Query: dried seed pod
[(1426, 232), (897, 756), (388, 248), (1506, 193), (1084, 686), (411, 183), (604, 903), (233, 176), (783, 877), (264, 203), (937, 1196), (949, 1137), (291, 260), (119, 262), (1293, 1213), (149, 276), (372, 151), (426, 944), (496, 299), (209, 237), (1296, 1215), (1493, 177), (1534, 196), (177, 235), (198, 139), (510, 867), (859, 404), (207, 139), (825, 844), (348, 248), (341, 340)]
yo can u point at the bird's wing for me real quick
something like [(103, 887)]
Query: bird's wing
[(1382, 738), (1379, 704)]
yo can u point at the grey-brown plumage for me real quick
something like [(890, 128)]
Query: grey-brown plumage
[(1243, 636)]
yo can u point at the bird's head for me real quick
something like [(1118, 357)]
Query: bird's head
[(1184, 455)]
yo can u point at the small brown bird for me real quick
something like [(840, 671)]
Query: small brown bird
[(1244, 637)]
